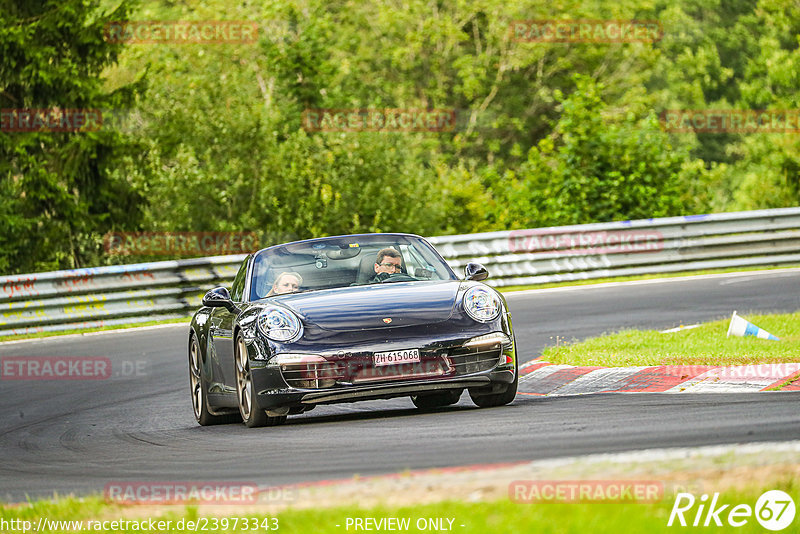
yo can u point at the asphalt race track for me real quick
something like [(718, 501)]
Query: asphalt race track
[(76, 436)]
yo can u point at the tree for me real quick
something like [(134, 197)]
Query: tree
[(599, 166), (57, 193)]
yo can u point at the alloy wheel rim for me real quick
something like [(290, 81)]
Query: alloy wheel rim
[(243, 379), (194, 379)]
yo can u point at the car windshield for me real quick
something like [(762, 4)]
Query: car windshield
[(335, 262)]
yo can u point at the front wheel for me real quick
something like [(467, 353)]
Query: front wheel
[(497, 399), (199, 394), (252, 415)]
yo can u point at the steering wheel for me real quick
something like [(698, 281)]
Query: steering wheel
[(394, 277)]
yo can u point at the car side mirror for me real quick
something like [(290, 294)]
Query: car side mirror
[(219, 297), (475, 271)]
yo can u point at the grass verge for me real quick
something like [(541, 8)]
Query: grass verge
[(476, 500), (500, 516), (704, 345)]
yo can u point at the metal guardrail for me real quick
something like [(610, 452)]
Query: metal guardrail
[(100, 296), (648, 246)]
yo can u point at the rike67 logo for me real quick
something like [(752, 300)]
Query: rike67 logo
[(774, 510)]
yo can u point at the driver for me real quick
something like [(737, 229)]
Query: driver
[(387, 263), (287, 282)]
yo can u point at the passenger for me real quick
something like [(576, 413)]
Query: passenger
[(287, 282)]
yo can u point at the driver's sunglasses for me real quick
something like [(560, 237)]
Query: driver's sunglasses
[(392, 265)]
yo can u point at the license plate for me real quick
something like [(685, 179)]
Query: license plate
[(395, 357)]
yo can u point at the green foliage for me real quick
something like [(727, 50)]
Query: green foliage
[(744, 55), (300, 187), (546, 133), (598, 166), (56, 190)]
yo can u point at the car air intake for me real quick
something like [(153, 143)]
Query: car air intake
[(468, 361), (312, 375)]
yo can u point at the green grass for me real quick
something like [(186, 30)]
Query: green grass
[(503, 516), (704, 345), (36, 335)]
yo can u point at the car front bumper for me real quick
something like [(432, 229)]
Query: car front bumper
[(272, 392), (444, 345)]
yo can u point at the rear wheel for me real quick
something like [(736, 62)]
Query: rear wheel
[(436, 400), (252, 415), (198, 389), (501, 398)]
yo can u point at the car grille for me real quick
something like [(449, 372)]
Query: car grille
[(455, 361), (474, 360), (319, 375)]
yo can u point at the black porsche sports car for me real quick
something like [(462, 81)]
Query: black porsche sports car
[(343, 319)]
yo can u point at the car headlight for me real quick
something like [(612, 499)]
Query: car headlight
[(481, 304), (279, 324)]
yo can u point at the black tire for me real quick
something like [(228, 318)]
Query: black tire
[(252, 415), (437, 400), (497, 399), (276, 420), (197, 387)]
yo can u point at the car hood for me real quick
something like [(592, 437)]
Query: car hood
[(376, 306)]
